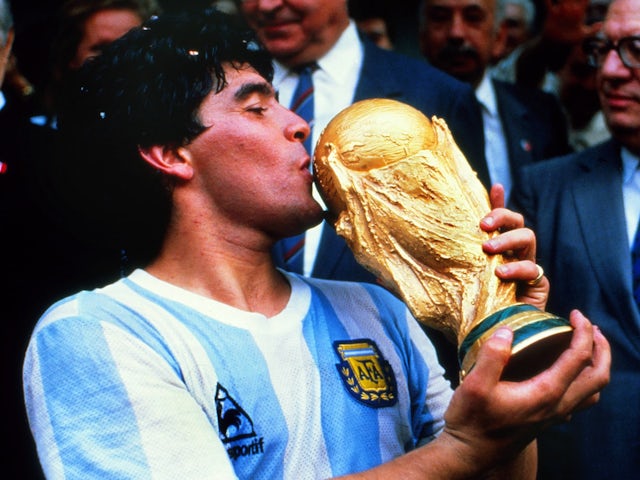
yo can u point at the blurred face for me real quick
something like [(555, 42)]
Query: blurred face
[(297, 31), (618, 85), (516, 31), (101, 29), (578, 88), (458, 36), (376, 30), (5, 52), (250, 162)]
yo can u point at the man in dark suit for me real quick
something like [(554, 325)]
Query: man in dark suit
[(584, 208), (521, 125)]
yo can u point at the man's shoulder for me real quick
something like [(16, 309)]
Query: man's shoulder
[(533, 99), (355, 289), (552, 177), (581, 160), (519, 90), (412, 72)]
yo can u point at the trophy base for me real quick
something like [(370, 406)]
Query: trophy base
[(538, 340)]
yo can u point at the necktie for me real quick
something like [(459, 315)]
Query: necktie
[(302, 101), (301, 104), (635, 263)]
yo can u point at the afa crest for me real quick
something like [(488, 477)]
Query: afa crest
[(367, 376)]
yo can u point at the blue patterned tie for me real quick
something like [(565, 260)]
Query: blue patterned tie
[(302, 101), (301, 104), (635, 264)]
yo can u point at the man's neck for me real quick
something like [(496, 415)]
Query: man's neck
[(231, 268)]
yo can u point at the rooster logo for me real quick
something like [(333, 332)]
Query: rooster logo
[(233, 421)]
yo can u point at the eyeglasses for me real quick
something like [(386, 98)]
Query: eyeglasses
[(627, 48)]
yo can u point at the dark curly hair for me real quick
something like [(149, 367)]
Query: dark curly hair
[(145, 89)]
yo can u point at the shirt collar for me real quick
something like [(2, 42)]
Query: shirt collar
[(486, 95), (3, 101), (629, 164), (347, 50)]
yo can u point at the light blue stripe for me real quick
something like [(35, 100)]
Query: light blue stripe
[(78, 392)]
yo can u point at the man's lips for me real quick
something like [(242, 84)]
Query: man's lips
[(275, 29), (618, 100), (275, 26)]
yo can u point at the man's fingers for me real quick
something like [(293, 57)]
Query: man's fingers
[(583, 367), (492, 358), (501, 219), (496, 196), (596, 374), (521, 241)]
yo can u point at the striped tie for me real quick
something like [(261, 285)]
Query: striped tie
[(302, 101), (635, 264), (301, 104)]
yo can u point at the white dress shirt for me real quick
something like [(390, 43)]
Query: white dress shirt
[(495, 145), (631, 191), (334, 84)]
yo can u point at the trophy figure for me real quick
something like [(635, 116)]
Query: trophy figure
[(408, 204)]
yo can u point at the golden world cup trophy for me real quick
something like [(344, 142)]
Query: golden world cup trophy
[(408, 204)]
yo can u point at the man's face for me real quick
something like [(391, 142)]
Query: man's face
[(516, 30), (297, 31), (618, 85), (101, 29), (577, 89), (250, 163), (458, 36)]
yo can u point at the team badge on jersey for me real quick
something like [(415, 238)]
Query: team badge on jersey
[(365, 373)]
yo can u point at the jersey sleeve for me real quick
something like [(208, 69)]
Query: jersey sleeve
[(97, 399)]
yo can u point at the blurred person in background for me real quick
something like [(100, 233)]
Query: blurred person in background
[(553, 61), (84, 27), (6, 42), (517, 19), (373, 19)]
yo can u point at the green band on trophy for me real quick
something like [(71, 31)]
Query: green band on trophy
[(528, 323)]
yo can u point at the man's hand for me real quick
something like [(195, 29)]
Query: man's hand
[(518, 243), (491, 421)]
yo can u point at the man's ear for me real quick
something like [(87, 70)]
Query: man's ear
[(174, 162)]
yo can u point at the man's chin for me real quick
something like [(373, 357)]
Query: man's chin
[(281, 42)]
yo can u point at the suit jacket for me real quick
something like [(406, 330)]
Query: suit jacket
[(534, 125), (575, 205)]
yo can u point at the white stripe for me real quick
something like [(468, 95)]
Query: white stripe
[(287, 364)]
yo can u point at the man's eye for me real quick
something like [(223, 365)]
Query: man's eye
[(259, 110), (438, 15)]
